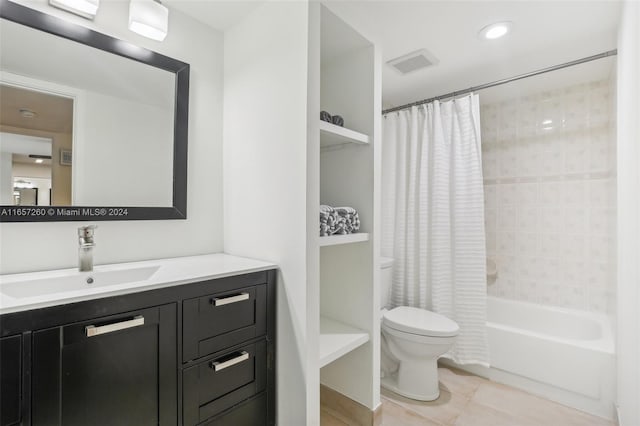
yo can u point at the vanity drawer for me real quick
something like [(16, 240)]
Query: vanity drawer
[(253, 412), (223, 381), (214, 322)]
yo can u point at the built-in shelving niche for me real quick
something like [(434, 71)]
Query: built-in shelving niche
[(349, 325), (333, 240), (331, 135), (338, 339)]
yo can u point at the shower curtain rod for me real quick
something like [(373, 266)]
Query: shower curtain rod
[(504, 81)]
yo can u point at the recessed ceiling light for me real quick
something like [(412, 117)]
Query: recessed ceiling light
[(494, 31), (547, 124)]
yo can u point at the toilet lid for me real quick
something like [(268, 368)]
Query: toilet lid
[(420, 321)]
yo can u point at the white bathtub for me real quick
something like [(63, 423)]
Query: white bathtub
[(561, 354)]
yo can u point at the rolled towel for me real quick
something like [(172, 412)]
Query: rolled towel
[(340, 227), (351, 218), (338, 220), (342, 211), (328, 220), (325, 116), (325, 209), (328, 213)]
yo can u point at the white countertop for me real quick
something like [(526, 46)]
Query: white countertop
[(171, 272)]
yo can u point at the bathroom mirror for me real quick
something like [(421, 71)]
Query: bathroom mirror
[(91, 127)]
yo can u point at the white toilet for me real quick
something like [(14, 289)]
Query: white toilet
[(412, 341)]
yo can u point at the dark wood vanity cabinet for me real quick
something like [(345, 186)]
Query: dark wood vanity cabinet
[(217, 321), (200, 353), (114, 370), (11, 383)]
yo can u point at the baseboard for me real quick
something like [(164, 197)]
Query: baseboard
[(348, 410)]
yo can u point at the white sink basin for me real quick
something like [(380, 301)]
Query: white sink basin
[(76, 281)]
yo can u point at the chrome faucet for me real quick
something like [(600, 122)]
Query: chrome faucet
[(85, 248)]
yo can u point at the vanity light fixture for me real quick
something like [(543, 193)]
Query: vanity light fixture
[(494, 31), (149, 18), (85, 8)]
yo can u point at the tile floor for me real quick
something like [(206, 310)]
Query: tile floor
[(468, 400)]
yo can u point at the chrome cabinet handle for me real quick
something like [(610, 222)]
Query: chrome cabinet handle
[(220, 301), (218, 366), (92, 330)]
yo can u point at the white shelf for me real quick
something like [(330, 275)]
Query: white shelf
[(344, 239), (338, 339), (330, 135)]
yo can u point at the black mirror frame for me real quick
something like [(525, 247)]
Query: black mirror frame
[(59, 27)]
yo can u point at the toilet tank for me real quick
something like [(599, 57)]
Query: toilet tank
[(386, 276)]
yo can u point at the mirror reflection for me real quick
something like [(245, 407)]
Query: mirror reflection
[(74, 131), (36, 147)]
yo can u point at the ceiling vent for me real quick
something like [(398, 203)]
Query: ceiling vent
[(413, 61)]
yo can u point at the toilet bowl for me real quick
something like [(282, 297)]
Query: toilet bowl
[(412, 341)]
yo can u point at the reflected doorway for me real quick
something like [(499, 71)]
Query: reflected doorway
[(35, 147)]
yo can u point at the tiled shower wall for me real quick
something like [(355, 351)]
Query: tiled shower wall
[(549, 181)]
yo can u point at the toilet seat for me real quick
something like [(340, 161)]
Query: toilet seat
[(420, 321)]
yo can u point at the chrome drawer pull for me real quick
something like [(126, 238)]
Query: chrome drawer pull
[(92, 330), (217, 366), (220, 301)]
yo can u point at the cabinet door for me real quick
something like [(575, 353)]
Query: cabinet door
[(10, 379), (117, 370)]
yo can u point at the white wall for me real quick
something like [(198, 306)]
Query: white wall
[(15, 143), (265, 181), (44, 186), (141, 153), (628, 111), (56, 247), (41, 171), (6, 182)]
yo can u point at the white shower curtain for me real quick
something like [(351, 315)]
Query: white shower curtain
[(433, 217)]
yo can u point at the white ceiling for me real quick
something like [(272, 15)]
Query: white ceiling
[(544, 33), (219, 14), (53, 113)]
